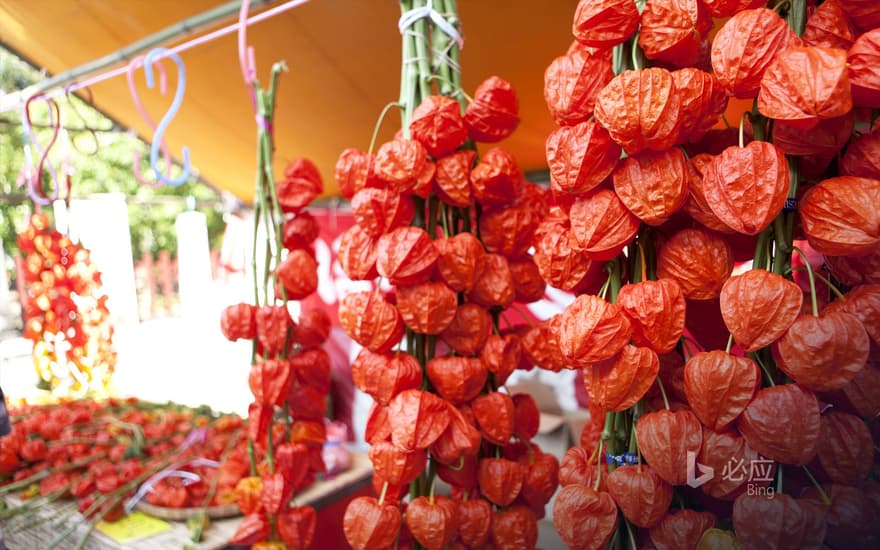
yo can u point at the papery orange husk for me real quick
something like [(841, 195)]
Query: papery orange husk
[(508, 231), (671, 30), (252, 528), (426, 308), (697, 206), (855, 270), (804, 85), (494, 413), (406, 256), (746, 187), (620, 382), (864, 14), (270, 381), (460, 438), (823, 353), (474, 521), (467, 332), (592, 330), (703, 101), (311, 367), (527, 417), (299, 231), (501, 355), (452, 178), (300, 186), (357, 254), (368, 525), (851, 518), (758, 307), (862, 157), (726, 8), (382, 376), (829, 26), (457, 261), (354, 171), (745, 46), (826, 138), (313, 327), (371, 320), (462, 474), (438, 125), (500, 480), (496, 180), (457, 379), (572, 82), (273, 324), (493, 114), (863, 302), (541, 480), (298, 274), (653, 185), (665, 439), (296, 526), (698, 260), (378, 211), (601, 224), (733, 460), (559, 260), (789, 405), (657, 312), (580, 157), (576, 468), (417, 418), (378, 427), (641, 110), (641, 494), (493, 285), (540, 345), (779, 522), (400, 163), (514, 528), (604, 23), (432, 521), (528, 285), (846, 450), (306, 403), (719, 386), (584, 518), (840, 217), (681, 529), (395, 465), (238, 322), (863, 57)]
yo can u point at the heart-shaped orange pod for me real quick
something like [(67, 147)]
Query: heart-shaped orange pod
[(572, 82), (827, 137), (496, 180), (313, 327), (540, 346), (395, 465), (406, 256), (640, 109), (719, 386), (371, 320), (299, 231), (851, 517), (601, 224), (494, 413), (862, 157), (438, 125), (697, 205), (541, 480), (252, 528), (672, 30), (270, 381), (559, 260), (353, 172), (296, 526), (452, 178), (474, 521), (368, 524), (460, 438), (493, 113), (457, 261), (698, 260), (378, 426), (758, 307), (681, 529), (427, 308), (432, 521), (703, 101), (823, 353), (592, 330), (378, 211), (273, 323), (855, 270), (357, 254), (508, 231), (400, 163), (514, 528), (301, 184), (493, 283), (527, 417), (789, 405), (417, 418), (239, 321), (462, 474), (298, 274), (618, 383), (665, 439), (467, 332), (778, 522), (846, 450), (746, 187), (311, 367), (576, 468), (584, 518), (501, 355), (382, 376), (840, 217), (863, 302), (653, 185), (864, 14), (604, 23), (528, 286), (306, 403), (641, 495), (500, 480), (457, 379), (580, 157), (829, 26), (745, 46), (656, 310), (862, 58), (725, 8), (862, 395)]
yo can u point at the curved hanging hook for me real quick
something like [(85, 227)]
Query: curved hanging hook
[(132, 89), (169, 116), (86, 127), (246, 57), (34, 180)]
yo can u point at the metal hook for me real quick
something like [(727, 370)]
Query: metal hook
[(86, 127), (35, 180), (169, 116), (163, 89)]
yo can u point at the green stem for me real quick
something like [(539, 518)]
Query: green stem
[(824, 279), (761, 364), (379, 125), (729, 344), (797, 16), (760, 260), (813, 302), (822, 494), (663, 392)]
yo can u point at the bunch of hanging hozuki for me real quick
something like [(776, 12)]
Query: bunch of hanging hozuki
[(290, 372), (731, 358), (443, 230)]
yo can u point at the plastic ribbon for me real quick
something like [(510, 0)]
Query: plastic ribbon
[(621, 459), (172, 471), (407, 19)]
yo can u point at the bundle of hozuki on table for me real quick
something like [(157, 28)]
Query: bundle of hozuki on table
[(290, 372), (446, 230), (764, 373)]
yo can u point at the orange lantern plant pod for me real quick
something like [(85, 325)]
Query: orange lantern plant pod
[(727, 448), (270, 381), (474, 521), (378, 211), (592, 330), (601, 224), (681, 529), (672, 30), (457, 379), (508, 231), (699, 261), (653, 185), (500, 480), (417, 418), (354, 171), (862, 156), (368, 524), (827, 137), (572, 82), (298, 274), (665, 439), (618, 383), (580, 157), (357, 254), (863, 302), (864, 76), (657, 312), (394, 465), (528, 285), (641, 494), (758, 307), (438, 125), (496, 180), (406, 256), (469, 329), (495, 414), (726, 8), (789, 405), (432, 521), (493, 286), (400, 162), (793, 523), (371, 320), (584, 518), (697, 207), (501, 355), (514, 527), (382, 376), (494, 112), (845, 449), (560, 261), (239, 322), (719, 386), (427, 308), (840, 217), (830, 26), (452, 178), (300, 186), (703, 101), (604, 23)]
